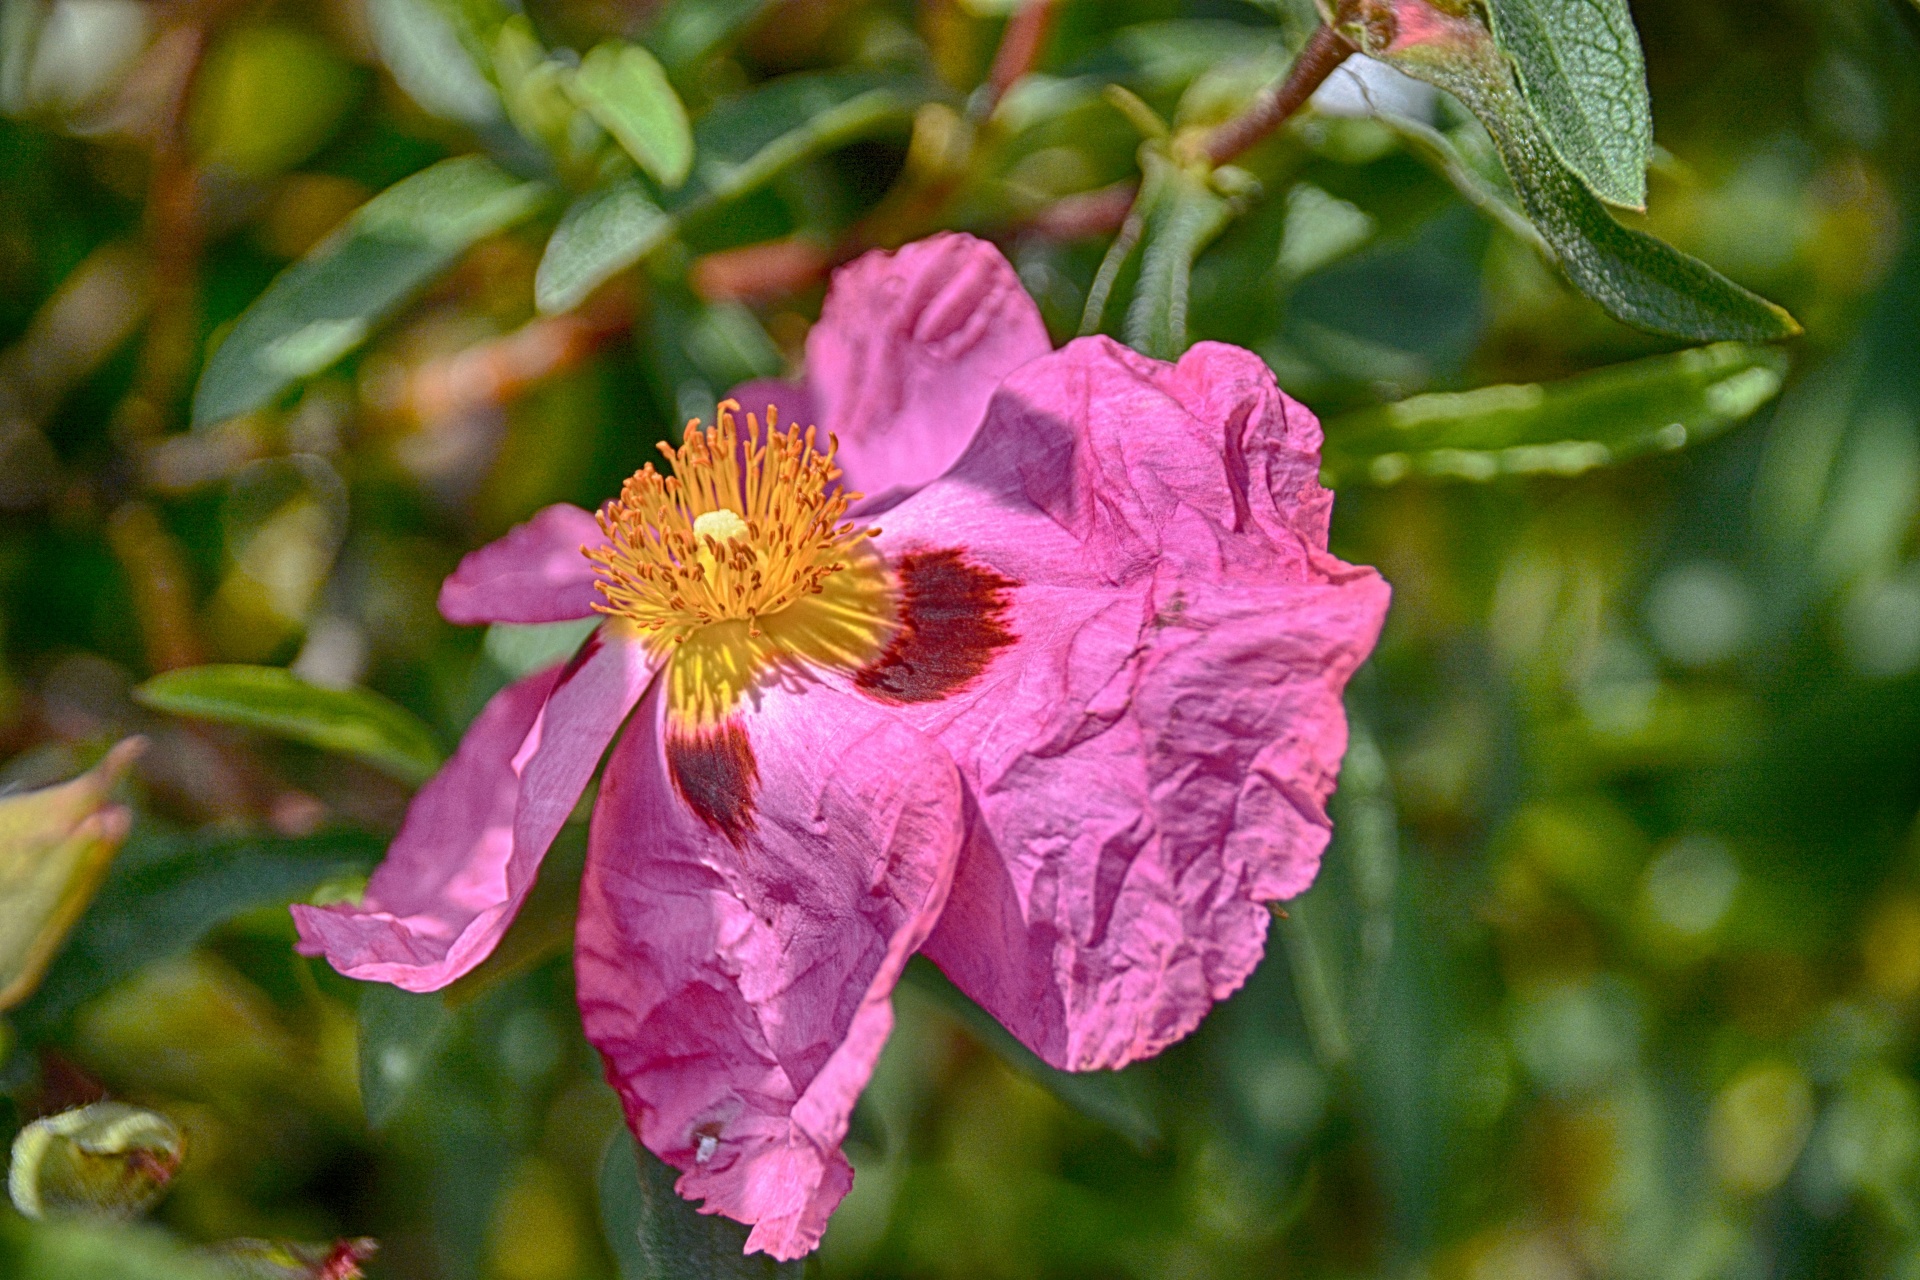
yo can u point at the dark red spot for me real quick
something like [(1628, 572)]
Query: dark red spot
[(714, 772), (952, 618)]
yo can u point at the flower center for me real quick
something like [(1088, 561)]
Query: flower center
[(742, 560), (734, 534)]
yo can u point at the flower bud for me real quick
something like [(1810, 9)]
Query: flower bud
[(55, 845), (107, 1160)]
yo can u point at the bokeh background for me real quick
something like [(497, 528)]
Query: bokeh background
[(1614, 966)]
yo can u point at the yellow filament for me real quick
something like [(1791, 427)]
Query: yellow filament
[(741, 559)]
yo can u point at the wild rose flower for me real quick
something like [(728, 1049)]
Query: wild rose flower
[(1065, 718)]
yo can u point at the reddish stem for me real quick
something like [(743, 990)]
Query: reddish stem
[(1020, 47), (1325, 50)]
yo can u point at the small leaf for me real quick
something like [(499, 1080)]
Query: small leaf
[(1639, 280), (1114, 1098), (655, 1235), (423, 49), (108, 1160), (323, 306), (55, 847), (284, 1260), (745, 141), (1596, 419), (601, 234), (625, 89), (355, 722), (688, 30), (1183, 214), (401, 1037), (163, 895), (1581, 70)]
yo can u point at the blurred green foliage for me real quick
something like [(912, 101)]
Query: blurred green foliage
[(1614, 966)]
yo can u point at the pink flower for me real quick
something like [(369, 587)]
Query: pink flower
[(1066, 721)]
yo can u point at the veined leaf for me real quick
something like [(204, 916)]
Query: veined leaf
[(655, 1235), (1596, 419), (1113, 1098), (355, 722), (1641, 281), (745, 141), (1581, 70), (601, 234), (326, 304), (625, 90)]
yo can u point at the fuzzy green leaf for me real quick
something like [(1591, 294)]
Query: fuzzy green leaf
[(325, 305), (1597, 419), (625, 89), (1580, 68), (601, 234), (745, 141), (1641, 281), (1182, 216), (354, 722)]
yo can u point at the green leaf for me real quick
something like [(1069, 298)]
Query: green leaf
[(601, 234), (402, 1035), (108, 1160), (746, 141), (1581, 70), (76, 1250), (165, 894), (1564, 428), (422, 47), (325, 305), (1639, 280), (1117, 1099), (354, 722), (1183, 213), (655, 1235), (688, 30), (625, 89)]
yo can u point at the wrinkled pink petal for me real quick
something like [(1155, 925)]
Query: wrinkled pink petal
[(740, 992), (474, 837), (535, 574), (1152, 751), (909, 347)]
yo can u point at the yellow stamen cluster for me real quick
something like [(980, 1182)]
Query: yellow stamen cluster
[(732, 535)]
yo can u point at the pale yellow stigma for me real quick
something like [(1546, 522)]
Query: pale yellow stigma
[(724, 525), (735, 534)]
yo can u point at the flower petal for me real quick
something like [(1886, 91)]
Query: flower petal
[(1152, 738), (535, 574), (736, 970), (474, 837), (909, 348)]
